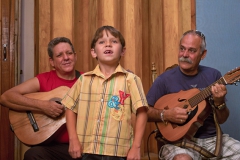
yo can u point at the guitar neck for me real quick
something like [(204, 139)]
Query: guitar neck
[(204, 93)]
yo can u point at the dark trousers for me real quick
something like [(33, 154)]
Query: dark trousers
[(101, 157), (60, 152), (48, 152)]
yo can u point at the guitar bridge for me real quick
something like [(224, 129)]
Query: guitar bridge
[(32, 121)]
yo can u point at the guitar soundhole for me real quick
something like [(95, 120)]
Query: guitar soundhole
[(190, 116)]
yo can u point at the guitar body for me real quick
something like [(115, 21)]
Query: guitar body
[(47, 126), (197, 114), (194, 101)]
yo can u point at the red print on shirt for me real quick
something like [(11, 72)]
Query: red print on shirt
[(123, 96)]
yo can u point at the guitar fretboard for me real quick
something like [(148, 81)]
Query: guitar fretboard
[(204, 93)]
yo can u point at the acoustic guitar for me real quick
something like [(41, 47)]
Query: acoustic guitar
[(33, 128), (194, 101)]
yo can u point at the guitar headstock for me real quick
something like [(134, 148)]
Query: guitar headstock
[(232, 76)]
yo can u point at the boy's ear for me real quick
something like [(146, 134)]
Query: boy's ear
[(123, 51), (93, 53)]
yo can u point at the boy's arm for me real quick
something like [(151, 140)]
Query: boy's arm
[(141, 121), (75, 148)]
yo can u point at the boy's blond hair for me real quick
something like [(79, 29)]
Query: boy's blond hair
[(99, 33)]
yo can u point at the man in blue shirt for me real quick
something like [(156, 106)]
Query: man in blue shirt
[(188, 75)]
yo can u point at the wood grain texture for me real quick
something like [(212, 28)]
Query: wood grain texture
[(43, 35)]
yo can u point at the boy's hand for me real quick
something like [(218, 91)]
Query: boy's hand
[(75, 149), (134, 154)]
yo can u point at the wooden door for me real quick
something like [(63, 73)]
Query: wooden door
[(8, 76)]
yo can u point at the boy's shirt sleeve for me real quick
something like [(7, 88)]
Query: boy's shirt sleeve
[(70, 100), (137, 94)]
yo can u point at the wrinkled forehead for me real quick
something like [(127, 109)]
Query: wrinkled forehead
[(62, 47), (191, 40)]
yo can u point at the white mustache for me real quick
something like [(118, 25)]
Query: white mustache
[(182, 59)]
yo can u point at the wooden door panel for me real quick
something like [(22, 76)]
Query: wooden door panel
[(7, 75)]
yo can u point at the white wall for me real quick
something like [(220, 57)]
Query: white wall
[(27, 40)]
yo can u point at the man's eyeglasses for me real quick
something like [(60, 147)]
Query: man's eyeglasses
[(197, 32)]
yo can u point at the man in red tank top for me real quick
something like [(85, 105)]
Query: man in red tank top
[(62, 58)]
